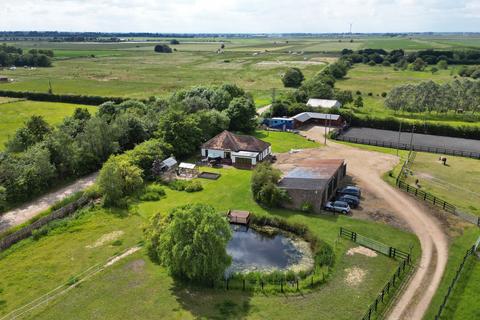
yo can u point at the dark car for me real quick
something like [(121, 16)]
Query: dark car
[(350, 190), (352, 201), (338, 206)]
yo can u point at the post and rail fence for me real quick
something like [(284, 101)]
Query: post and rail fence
[(393, 283), (428, 197), (470, 252)]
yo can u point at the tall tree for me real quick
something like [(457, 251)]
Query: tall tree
[(191, 242)]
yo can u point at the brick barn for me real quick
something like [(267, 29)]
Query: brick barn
[(313, 182)]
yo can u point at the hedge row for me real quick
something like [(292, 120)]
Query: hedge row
[(78, 99), (391, 123)]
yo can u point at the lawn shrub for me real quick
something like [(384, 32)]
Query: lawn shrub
[(194, 186), (306, 207), (150, 196)]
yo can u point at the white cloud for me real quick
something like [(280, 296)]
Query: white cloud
[(240, 15)]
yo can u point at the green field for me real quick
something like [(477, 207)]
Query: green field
[(463, 302), (14, 114), (285, 141), (457, 183), (135, 287)]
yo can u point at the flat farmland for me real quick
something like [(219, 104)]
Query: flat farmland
[(14, 114), (139, 73)]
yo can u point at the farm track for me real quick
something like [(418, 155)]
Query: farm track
[(367, 168), (31, 209)]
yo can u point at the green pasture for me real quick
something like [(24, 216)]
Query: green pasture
[(14, 114), (458, 182), (138, 288), (463, 299), (285, 141)]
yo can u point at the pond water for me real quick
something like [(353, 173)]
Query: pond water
[(254, 251)]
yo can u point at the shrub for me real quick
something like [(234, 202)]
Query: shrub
[(370, 94), (306, 207), (293, 78), (162, 48), (194, 186), (384, 94), (117, 243), (155, 188), (178, 185), (39, 233), (150, 196), (358, 92)]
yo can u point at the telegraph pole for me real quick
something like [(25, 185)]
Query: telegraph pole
[(399, 134), (411, 138)]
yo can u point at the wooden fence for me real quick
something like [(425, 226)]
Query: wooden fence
[(470, 252), (406, 146), (389, 289), (26, 232)]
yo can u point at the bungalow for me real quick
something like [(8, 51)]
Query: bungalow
[(323, 103), (313, 182), (240, 150)]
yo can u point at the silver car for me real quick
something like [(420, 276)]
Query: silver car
[(338, 206)]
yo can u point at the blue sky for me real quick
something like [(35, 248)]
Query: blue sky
[(249, 16)]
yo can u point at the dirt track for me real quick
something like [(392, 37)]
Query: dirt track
[(367, 168), (29, 210)]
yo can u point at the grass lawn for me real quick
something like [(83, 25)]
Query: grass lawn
[(285, 141), (135, 287), (14, 114), (463, 302), (457, 183)]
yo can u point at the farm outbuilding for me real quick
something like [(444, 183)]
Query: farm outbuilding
[(322, 119), (4, 79), (323, 103), (239, 150), (313, 182)]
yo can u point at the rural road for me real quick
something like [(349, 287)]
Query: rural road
[(367, 167), (29, 210)]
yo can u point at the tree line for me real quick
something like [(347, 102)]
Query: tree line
[(321, 86), (458, 95), (399, 58), (130, 135), (13, 56)]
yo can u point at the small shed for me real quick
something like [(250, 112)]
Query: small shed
[(188, 170), (169, 163), (239, 217)]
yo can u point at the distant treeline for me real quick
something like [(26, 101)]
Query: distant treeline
[(65, 98), (13, 56), (430, 56)]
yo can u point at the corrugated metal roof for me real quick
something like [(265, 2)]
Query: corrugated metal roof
[(305, 116), (323, 103), (185, 165), (170, 162), (302, 184)]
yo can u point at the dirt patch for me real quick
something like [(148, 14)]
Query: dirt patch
[(120, 257), (361, 250), (354, 276), (109, 237), (136, 266)]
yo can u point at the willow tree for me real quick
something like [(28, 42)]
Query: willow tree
[(191, 242)]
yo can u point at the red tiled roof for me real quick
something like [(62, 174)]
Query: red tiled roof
[(235, 142)]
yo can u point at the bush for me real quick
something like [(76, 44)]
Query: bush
[(384, 94), (194, 186), (162, 48), (293, 78), (39, 233), (358, 92), (306, 207), (150, 196)]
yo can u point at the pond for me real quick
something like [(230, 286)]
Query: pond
[(254, 251)]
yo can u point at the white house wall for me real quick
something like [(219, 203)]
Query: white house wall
[(213, 153)]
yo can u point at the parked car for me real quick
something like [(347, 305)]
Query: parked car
[(338, 206), (351, 190), (352, 201)]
